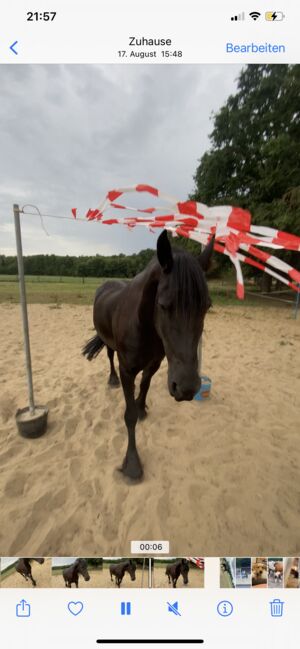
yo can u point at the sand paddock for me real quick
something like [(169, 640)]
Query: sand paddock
[(40, 572), (221, 477)]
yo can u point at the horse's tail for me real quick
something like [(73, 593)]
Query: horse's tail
[(93, 347)]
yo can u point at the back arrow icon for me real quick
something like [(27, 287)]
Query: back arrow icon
[(12, 47)]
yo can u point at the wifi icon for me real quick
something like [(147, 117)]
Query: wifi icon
[(255, 15)]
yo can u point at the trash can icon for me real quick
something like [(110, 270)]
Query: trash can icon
[(276, 608)]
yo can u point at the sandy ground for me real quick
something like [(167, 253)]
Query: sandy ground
[(221, 477), (40, 572), (160, 579), (101, 579)]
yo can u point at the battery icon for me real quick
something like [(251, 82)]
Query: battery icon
[(274, 15)]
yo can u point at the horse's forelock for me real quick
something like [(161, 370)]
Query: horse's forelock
[(188, 285)]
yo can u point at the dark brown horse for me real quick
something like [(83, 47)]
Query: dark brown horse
[(23, 566), (174, 570), (158, 313), (118, 570), (71, 574)]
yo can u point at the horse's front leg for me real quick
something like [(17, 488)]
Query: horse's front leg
[(32, 580), (144, 387), (131, 466)]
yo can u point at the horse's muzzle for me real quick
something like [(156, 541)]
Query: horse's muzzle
[(87, 578), (184, 394)]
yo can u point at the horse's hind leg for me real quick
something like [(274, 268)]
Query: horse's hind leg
[(131, 466), (113, 380), (144, 387), (23, 575)]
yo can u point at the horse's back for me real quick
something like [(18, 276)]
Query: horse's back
[(110, 288)]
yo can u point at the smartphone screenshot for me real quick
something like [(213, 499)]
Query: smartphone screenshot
[(150, 324)]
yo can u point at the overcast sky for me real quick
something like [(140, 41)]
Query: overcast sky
[(71, 133)]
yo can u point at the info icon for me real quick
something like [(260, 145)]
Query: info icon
[(224, 608)]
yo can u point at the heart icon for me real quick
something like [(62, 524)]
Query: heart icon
[(75, 607)]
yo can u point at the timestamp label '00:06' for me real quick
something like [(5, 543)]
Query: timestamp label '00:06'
[(150, 547)]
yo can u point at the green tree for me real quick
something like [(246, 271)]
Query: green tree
[(254, 160)]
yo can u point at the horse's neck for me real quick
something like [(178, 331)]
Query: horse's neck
[(74, 572)]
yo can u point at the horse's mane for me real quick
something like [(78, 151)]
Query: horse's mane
[(188, 284)]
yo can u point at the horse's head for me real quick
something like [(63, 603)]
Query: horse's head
[(83, 569), (131, 568), (182, 301), (184, 569)]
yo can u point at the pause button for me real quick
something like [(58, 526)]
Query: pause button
[(125, 608)]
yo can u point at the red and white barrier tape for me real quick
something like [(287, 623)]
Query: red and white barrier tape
[(231, 226)]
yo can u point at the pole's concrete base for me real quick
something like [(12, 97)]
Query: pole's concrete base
[(32, 424)]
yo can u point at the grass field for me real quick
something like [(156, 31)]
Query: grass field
[(50, 289), (77, 290)]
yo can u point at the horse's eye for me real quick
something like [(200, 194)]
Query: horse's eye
[(164, 307)]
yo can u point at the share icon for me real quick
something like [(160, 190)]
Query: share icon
[(173, 608)]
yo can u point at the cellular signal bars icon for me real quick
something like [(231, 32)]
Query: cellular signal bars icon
[(238, 16)]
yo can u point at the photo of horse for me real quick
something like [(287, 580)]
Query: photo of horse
[(174, 572), (101, 572), (25, 572)]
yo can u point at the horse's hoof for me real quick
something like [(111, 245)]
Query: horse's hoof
[(132, 469), (114, 382), (142, 414)]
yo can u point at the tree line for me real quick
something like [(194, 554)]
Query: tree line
[(83, 266)]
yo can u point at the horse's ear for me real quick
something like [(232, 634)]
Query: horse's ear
[(206, 255), (164, 252)]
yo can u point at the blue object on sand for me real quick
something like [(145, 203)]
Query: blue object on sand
[(204, 391)]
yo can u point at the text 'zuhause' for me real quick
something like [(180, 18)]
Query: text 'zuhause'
[(254, 48), (134, 40)]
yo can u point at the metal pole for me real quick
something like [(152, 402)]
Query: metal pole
[(24, 307)]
